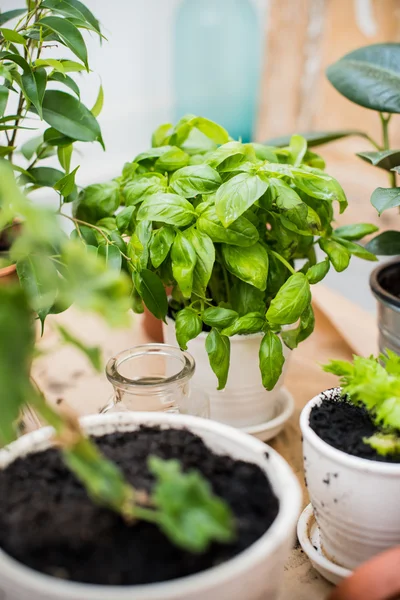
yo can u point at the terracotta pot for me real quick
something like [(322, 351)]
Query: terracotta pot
[(8, 274), (377, 579), (153, 327)]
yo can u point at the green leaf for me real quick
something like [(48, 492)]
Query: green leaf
[(69, 35), (167, 208), (74, 9), (12, 36), (384, 444), (187, 511), (246, 298), (291, 300), (251, 323), (315, 138), (17, 339), (384, 198), (31, 146), (356, 249), (249, 264), (93, 353), (355, 232), (66, 185), (67, 81), (237, 195), (50, 62), (369, 76), (138, 189), (68, 116), (184, 259), (52, 137), (271, 359), (198, 179), (293, 337), (219, 317), (11, 14), (160, 245), (188, 326), (241, 233), (161, 135), (385, 244), (172, 160), (98, 105), (385, 159), (228, 151), (150, 156), (39, 279), (33, 83), (319, 185), (64, 154), (97, 201), (138, 247), (5, 150), (87, 234), (3, 99), (45, 176), (111, 255), (71, 66), (317, 272), (212, 130), (338, 255), (205, 253), (125, 219), (153, 294), (298, 149), (219, 351)]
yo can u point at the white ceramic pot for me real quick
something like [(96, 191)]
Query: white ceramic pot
[(244, 402), (355, 500), (255, 574)]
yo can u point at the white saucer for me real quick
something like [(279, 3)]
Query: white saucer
[(309, 538), (283, 412)]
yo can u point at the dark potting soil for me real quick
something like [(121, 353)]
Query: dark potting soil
[(344, 425), (48, 523)]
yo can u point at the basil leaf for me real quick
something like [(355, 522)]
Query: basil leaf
[(212, 130), (271, 359), (198, 179), (338, 255), (69, 35), (317, 272), (297, 149), (219, 351), (167, 208), (319, 185), (287, 200), (184, 259), (188, 326), (150, 156), (291, 300), (152, 291), (219, 317), (356, 249), (137, 190), (111, 255), (241, 233), (138, 247), (229, 150), (97, 201), (248, 264), (237, 195), (384, 198), (385, 244), (125, 220), (355, 232), (250, 323), (246, 298), (160, 245), (294, 337), (205, 252), (161, 135), (172, 160)]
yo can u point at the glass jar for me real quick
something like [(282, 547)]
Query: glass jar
[(155, 377)]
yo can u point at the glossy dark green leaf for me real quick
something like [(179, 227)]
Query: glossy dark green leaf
[(66, 185), (87, 233), (219, 351), (237, 195), (293, 337), (125, 219), (33, 85), (338, 255), (153, 293), (67, 81), (246, 298), (315, 138), (74, 9), (46, 176), (52, 137), (160, 245), (205, 253), (11, 14), (111, 255), (356, 249), (4, 91), (385, 159), (167, 208), (219, 317), (271, 359), (317, 272), (291, 300), (69, 34), (184, 259), (188, 326), (369, 76), (385, 244), (140, 188), (241, 233), (197, 179), (97, 201), (70, 117), (355, 232), (249, 264), (93, 353), (251, 323), (384, 198)]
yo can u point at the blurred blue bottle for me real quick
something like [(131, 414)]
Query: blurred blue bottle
[(217, 63)]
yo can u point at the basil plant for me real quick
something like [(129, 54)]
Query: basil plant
[(232, 228)]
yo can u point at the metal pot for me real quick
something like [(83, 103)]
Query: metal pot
[(384, 278)]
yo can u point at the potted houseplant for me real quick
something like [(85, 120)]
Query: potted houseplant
[(352, 459), (154, 481), (224, 225), (36, 86), (369, 77)]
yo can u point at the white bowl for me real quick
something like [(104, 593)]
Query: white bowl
[(255, 573), (355, 500)]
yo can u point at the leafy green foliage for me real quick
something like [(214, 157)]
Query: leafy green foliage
[(385, 244), (271, 359), (375, 384), (219, 351), (93, 353)]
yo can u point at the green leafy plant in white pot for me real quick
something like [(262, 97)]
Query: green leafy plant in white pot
[(231, 229)]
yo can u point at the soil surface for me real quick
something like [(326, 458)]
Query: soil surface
[(344, 425), (48, 523)]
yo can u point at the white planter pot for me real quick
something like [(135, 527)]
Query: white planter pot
[(255, 574), (355, 500), (244, 402)]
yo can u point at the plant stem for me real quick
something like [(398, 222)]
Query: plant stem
[(283, 261), (386, 144)]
